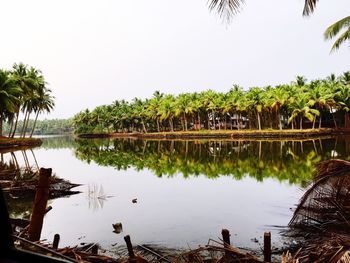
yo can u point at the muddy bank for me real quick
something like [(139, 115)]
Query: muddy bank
[(14, 143), (242, 134)]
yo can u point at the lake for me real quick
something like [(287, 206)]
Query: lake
[(186, 191)]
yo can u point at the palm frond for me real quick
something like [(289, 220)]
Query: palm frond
[(341, 39), (309, 7), (335, 28), (225, 8)]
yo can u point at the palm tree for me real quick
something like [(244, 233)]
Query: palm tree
[(255, 97), (321, 97), (139, 111), (342, 98), (280, 97), (336, 28), (153, 107), (31, 99), (20, 76), (44, 103), (184, 107), (302, 109), (8, 96), (167, 110)]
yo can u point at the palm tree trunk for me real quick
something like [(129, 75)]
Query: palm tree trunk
[(239, 121), (320, 122), (24, 122), (143, 126), (199, 121), (259, 121), (36, 118), (1, 120), (346, 121), (11, 127), (213, 117), (208, 121), (301, 123), (26, 126), (158, 126), (335, 123), (280, 120), (171, 125), (16, 122), (185, 119), (313, 123)]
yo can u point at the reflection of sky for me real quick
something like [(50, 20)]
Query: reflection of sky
[(170, 211)]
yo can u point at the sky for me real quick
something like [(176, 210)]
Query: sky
[(94, 52)]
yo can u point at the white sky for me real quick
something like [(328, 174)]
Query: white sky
[(94, 52)]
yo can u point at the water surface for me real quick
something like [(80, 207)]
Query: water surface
[(186, 191)]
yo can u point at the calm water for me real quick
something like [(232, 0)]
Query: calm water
[(187, 191)]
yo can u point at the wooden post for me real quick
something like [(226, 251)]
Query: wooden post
[(40, 202), (226, 237), (94, 249), (56, 241), (267, 247), (129, 246)]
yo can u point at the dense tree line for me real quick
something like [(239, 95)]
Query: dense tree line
[(45, 127), (23, 89), (297, 105)]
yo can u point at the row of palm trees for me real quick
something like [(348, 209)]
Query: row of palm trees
[(22, 90), (296, 105)]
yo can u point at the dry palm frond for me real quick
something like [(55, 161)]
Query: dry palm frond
[(322, 218), (326, 203)]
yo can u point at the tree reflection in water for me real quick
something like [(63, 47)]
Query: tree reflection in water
[(291, 161)]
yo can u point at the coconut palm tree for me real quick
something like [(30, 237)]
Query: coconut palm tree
[(44, 102), (153, 107), (302, 109), (280, 97), (336, 29), (167, 110), (255, 98), (9, 93), (184, 108), (31, 99), (322, 98)]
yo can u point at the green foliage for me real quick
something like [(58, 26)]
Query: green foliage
[(290, 161), (300, 104), (336, 29), (22, 89), (46, 127)]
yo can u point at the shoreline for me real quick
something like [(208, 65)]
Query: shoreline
[(224, 134), (14, 143)]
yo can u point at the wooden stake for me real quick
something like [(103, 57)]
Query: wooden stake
[(129, 246), (226, 237), (94, 249), (40, 202), (267, 247), (56, 241)]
